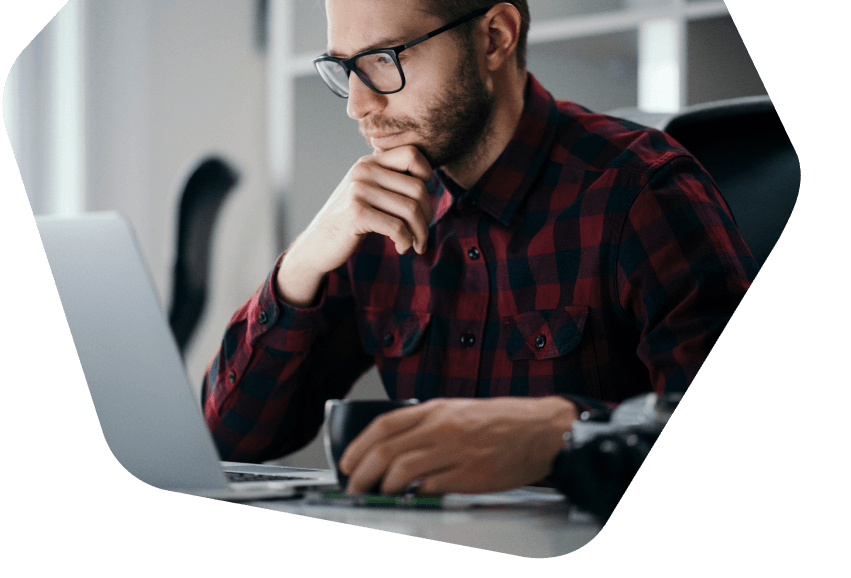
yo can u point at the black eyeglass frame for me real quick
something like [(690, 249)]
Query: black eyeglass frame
[(348, 64)]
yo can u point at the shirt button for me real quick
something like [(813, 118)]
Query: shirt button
[(388, 339), (262, 318), (232, 376), (468, 340), (540, 341), (473, 253)]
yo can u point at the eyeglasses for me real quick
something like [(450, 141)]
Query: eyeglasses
[(378, 69)]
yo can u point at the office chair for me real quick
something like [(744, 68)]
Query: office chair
[(203, 195), (743, 145)]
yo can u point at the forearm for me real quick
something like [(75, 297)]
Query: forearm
[(264, 390), (298, 281)]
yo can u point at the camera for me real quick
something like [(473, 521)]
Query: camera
[(600, 458)]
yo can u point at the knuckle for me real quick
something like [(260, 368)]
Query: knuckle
[(394, 482), (411, 206), (436, 403), (357, 209), (356, 189), (401, 471), (362, 170), (382, 455), (422, 189), (398, 227), (379, 427)]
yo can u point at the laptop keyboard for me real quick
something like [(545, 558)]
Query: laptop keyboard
[(243, 477)]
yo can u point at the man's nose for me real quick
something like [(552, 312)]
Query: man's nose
[(362, 100)]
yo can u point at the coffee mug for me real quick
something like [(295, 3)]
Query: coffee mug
[(345, 419)]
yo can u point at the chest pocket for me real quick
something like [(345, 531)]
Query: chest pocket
[(545, 334), (391, 332)]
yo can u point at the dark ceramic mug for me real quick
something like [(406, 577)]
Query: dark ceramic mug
[(345, 419)]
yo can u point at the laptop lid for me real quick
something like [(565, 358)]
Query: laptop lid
[(149, 417)]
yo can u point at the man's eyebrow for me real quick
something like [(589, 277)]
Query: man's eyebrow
[(386, 42)]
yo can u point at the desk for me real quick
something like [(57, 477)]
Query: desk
[(536, 532)]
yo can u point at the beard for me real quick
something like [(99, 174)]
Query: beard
[(456, 124)]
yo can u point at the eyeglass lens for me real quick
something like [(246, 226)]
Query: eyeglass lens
[(378, 70)]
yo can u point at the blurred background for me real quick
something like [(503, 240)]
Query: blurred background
[(116, 104)]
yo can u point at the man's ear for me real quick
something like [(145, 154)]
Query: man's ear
[(502, 27)]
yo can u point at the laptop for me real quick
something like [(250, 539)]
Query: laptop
[(150, 419)]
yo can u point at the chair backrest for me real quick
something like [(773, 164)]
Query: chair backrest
[(203, 195), (743, 145)]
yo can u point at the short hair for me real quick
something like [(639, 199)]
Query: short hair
[(449, 10)]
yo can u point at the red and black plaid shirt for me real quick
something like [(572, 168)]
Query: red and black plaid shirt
[(595, 259)]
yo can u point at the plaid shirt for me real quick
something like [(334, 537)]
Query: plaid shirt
[(595, 260)]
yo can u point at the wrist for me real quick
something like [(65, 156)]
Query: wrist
[(297, 283), (563, 413)]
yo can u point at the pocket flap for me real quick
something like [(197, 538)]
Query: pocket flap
[(544, 334), (391, 332)]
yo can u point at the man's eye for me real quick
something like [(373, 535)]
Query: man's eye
[(385, 59)]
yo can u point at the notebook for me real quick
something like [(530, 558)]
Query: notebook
[(150, 419)]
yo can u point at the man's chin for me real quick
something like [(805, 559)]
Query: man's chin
[(380, 149)]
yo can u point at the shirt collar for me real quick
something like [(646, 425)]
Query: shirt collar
[(502, 188)]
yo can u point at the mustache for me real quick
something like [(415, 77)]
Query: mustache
[(374, 124)]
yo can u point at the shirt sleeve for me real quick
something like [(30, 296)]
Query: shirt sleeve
[(265, 388), (683, 268)]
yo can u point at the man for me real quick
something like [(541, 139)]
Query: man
[(515, 262)]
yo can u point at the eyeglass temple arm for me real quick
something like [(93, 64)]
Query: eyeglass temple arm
[(444, 28)]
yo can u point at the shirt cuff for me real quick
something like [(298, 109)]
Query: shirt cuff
[(267, 315), (591, 409)]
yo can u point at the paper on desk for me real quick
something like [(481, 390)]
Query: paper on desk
[(513, 498), (518, 497)]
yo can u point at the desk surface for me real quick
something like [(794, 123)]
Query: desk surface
[(537, 531)]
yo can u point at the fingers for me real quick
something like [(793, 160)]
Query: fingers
[(410, 164), (395, 467), (406, 185), (394, 205), (382, 429), (394, 183), (384, 193), (375, 450), (405, 159)]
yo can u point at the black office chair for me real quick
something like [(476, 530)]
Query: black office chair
[(205, 192), (743, 145)]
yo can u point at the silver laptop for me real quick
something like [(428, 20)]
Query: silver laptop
[(149, 416)]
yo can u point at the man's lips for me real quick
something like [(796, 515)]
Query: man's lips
[(375, 129), (378, 138), (380, 135)]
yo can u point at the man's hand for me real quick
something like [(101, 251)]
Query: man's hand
[(459, 445), (383, 193)]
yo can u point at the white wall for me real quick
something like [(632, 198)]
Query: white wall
[(168, 82), (164, 82)]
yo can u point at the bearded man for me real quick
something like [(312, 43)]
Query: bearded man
[(515, 262)]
